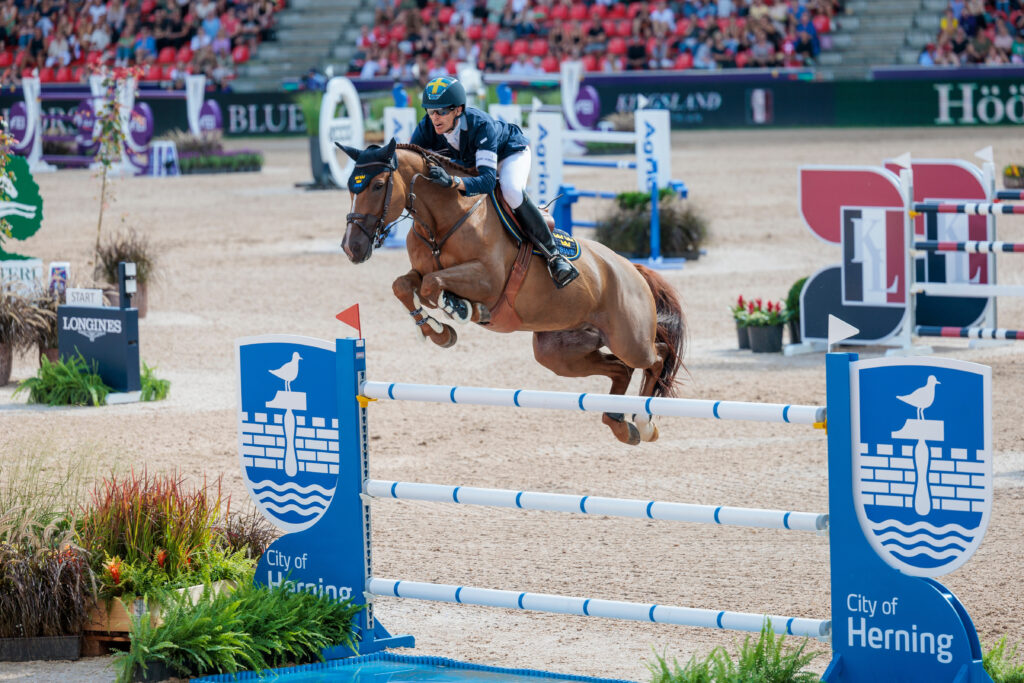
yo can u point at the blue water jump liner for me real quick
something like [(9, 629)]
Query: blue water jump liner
[(605, 403), (411, 660), (595, 505)]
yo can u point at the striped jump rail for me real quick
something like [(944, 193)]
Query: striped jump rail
[(968, 332), (603, 403), (595, 505), (600, 135), (965, 290), (973, 209), (610, 609), (599, 164), (1010, 194), (971, 247)]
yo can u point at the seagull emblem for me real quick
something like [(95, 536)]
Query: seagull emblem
[(289, 371), (922, 397)]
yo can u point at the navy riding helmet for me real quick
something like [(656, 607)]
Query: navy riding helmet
[(443, 92)]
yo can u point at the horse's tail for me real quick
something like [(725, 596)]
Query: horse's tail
[(671, 329)]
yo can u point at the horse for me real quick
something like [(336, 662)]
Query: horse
[(465, 263)]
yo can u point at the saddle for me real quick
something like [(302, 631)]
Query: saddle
[(503, 316)]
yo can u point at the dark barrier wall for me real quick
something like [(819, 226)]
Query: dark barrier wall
[(957, 97)]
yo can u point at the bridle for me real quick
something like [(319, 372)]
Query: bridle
[(373, 231)]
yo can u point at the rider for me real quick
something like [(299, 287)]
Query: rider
[(500, 153)]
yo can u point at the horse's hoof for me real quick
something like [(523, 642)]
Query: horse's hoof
[(453, 337), (457, 308), (634, 434), (646, 426)]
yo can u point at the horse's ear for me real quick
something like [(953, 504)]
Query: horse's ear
[(391, 147), (352, 152)]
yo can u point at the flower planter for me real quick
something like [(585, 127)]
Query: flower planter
[(116, 616), (155, 671), (765, 339), (742, 336), (1013, 182), (6, 362), (794, 330), (40, 648)]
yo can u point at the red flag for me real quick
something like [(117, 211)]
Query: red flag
[(350, 316)]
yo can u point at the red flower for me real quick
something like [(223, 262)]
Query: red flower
[(114, 567), (161, 558), (740, 302), (750, 307)]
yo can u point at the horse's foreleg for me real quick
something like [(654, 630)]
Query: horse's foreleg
[(405, 291), (467, 285), (576, 354)]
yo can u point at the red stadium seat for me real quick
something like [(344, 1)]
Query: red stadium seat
[(609, 27), (599, 11), (503, 47), (153, 72), (77, 74), (578, 12), (397, 33), (6, 58), (26, 73), (64, 75), (474, 32), (426, 14), (585, 26), (618, 11), (491, 31), (46, 75), (166, 55), (822, 24), (684, 61), (723, 24), (624, 29), (538, 47), (240, 55), (521, 46), (185, 54), (741, 59), (550, 64), (559, 13), (617, 46), (590, 62), (445, 15), (634, 9), (682, 27), (452, 67)]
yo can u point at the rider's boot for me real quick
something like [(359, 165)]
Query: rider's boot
[(532, 222)]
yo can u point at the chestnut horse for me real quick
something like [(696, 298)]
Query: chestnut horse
[(462, 257)]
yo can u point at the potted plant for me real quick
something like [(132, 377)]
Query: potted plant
[(42, 322), (15, 331), (132, 247), (764, 325), (739, 315), (792, 313), (1013, 176), (627, 229), (309, 103)]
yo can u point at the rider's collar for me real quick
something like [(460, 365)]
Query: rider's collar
[(372, 162)]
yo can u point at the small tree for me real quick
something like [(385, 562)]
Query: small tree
[(111, 133)]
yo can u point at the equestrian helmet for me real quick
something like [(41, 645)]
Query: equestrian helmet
[(443, 92)]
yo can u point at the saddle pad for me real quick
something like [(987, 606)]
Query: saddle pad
[(566, 243)]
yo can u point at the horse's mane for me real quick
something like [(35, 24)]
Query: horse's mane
[(439, 159)]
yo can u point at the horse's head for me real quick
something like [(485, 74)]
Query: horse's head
[(371, 184)]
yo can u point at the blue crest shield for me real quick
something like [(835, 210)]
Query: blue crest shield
[(288, 436), (922, 460)]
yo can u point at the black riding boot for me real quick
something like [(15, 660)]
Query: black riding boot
[(532, 221)]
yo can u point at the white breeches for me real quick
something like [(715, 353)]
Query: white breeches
[(513, 174)]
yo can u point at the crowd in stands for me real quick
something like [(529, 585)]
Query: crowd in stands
[(163, 40), (529, 37), (976, 32)]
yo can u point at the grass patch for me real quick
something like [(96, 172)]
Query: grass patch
[(1004, 663), (764, 660), (252, 628), (153, 388)]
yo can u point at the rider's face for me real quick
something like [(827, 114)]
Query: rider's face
[(443, 119)]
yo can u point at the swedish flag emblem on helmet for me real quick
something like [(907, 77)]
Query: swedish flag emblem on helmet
[(443, 92)]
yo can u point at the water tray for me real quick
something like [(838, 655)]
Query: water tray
[(384, 667)]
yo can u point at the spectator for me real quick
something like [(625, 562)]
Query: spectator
[(145, 46), (663, 19), (927, 56), (125, 43), (521, 67), (115, 18), (99, 39), (978, 49), (722, 56), (949, 23), (9, 22), (702, 58), (97, 11), (959, 43), (35, 54), (59, 52), (636, 56), (804, 48), (221, 44)]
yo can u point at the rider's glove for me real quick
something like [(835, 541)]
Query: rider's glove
[(440, 176)]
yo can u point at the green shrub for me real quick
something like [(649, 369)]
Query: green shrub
[(1003, 663), (130, 246), (793, 299), (153, 389), (766, 660), (250, 628), (627, 229), (69, 381)]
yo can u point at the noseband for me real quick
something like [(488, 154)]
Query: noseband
[(373, 230)]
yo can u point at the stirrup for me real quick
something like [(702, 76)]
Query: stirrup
[(564, 276), (457, 308)]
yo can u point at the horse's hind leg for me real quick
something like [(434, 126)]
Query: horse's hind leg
[(576, 354), (405, 289), (644, 422)]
